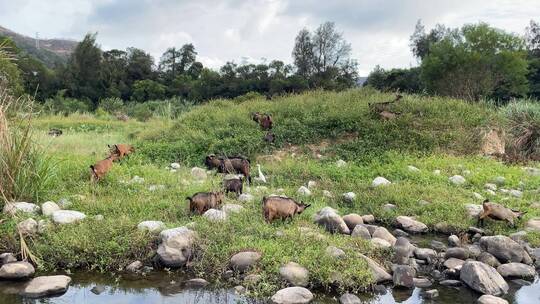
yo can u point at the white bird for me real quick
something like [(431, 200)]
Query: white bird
[(261, 177)]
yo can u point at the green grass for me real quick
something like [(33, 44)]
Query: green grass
[(114, 242)]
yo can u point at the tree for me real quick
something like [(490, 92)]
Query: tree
[(303, 54), (476, 62), (532, 36), (169, 63), (144, 90), (330, 49), (403, 80), (420, 42), (10, 75), (114, 73), (187, 57)]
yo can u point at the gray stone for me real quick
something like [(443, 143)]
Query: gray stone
[(516, 193), (252, 279), (175, 166), (516, 270), (431, 294), (422, 282), (292, 295), (400, 233), (473, 210), (411, 225), (43, 226), (62, 217), (403, 276), (380, 181), (489, 299), (402, 251), (450, 283), (349, 298), (294, 274), (7, 257), (198, 173), (341, 163), (533, 224), (368, 219), (389, 207), (239, 289), (303, 191), (483, 278), (215, 215), (46, 285), (457, 252), (49, 207), (437, 172), (24, 207), (453, 263), (28, 226), (413, 169), (134, 267), (382, 233), (478, 196), (352, 219), (349, 197), (361, 231), (16, 271), (518, 236), (504, 249), (244, 260), (151, 226), (453, 241), (499, 180), (196, 283), (425, 254), (474, 250), (439, 246), (490, 186), (245, 197), (335, 252), (98, 289), (232, 208), (327, 194), (457, 180), (380, 243), (331, 221), (176, 246), (64, 203), (380, 275)]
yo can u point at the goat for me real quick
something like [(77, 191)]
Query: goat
[(121, 150), (383, 106), (232, 165), (269, 137), (233, 185), (281, 207), (55, 132), (498, 212), (100, 169), (203, 201), (264, 120)]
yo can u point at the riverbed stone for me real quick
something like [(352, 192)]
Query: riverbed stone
[(63, 217), (361, 231), (380, 275), (24, 207), (368, 218), (389, 207), (488, 258), (46, 285), (431, 294), (422, 282), (98, 289), (176, 246), (380, 243), (349, 197), (244, 260), (245, 197), (335, 252), (457, 252), (454, 264), (349, 298), (7, 257), (450, 283), (483, 278), (151, 226), (49, 207), (453, 241), (504, 249), (516, 270), (331, 221), (402, 251), (303, 190), (533, 224), (437, 245), (294, 274), (400, 233), (427, 254), (352, 219), (380, 181), (473, 210), (489, 299), (196, 283), (28, 226), (382, 233), (134, 266), (215, 215), (457, 180), (411, 225), (403, 276), (16, 271), (292, 295), (198, 173)]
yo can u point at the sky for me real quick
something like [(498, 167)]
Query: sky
[(258, 30)]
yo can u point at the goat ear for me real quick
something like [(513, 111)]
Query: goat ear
[(109, 146)]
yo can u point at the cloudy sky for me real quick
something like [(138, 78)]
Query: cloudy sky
[(254, 30)]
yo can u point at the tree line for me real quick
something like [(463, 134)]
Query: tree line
[(321, 60), (473, 62)]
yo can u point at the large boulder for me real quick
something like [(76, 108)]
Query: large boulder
[(488, 258), (176, 246), (504, 249), (382, 233), (454, 264), (516, 270), (331, 221), (28, 226), (12, 208), (335, 252), (402, 251), (215, 215), (67, 216), (294, 274), (292, 295), (411, 225), (427, 254), (533, 224), (483, 278), (349, 298), (368, 218), (151, 226), (361, 231), (380, 181), (46, 285), (16, 271), (457, 252), (403, 276), (379, 274), (49, 207), (379, 243), (7, 257), (352, 219), (244, 260), (457, 180), (489, 299)]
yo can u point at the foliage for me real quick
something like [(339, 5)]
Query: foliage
[(111, 104), (62, 105), (147, 89), (533, 46), (524, 128), (402, 80), (10, 75)]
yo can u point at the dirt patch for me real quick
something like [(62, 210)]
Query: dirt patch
[(493, 142)]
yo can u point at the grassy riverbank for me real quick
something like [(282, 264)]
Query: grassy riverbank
[(431, 134)]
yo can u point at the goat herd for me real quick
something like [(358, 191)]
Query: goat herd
[(274, 207)]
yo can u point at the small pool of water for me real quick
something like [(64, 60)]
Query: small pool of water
[(164, 288)]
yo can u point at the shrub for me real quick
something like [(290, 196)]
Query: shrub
[(141, 111), (111, 104), (64, 105), (523, 118)]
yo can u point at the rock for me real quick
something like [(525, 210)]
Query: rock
[(196, 283), (292, 295), (311, 184), (175, 166), (439, 246), (13, 208), (442, 227), (380, 181), (294, 274), (382, 233), (176, 246), (450, 283), (454, 241), (483, 278), (425, 254), (411, 225), (478, 196), (239, 289), (504, 249), (28, 226), (46, 285), (491, 192), (134, 267), (335, 252), (422, 282), (7, 257), (43, 226), (399, 232), (332, 222), (341, 163), (473, 210), (431, 294), (16, 271), (403, 276), (490, 186), (327, 194), (368, 219), (379, 274), (99, 217), (64, 203), (489, 299), (349, 197), (474, 250), (457, 180), (402, 251), (361, 231), (516, 193), (245, 197), (136, 180), (413, 169), (499, 180), (252, 279), (516, 270), (303, 191), (198, 173), (244, 260), (389, 207), (48, 208), (457, 252), (153, 188), (380, 243), (98, 289), (489, 259), (453, 263), (423, 203), (533, 224), (518, 236), (215, 215), (232, 208), (151, 226), (437, 172), (352, 219), (349, 298), (62, 217)]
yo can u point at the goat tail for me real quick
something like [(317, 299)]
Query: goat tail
[(189, 198)]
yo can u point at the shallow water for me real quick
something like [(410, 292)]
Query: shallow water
[(160, 287)]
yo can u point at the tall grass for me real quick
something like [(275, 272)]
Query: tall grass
[(523, 118)]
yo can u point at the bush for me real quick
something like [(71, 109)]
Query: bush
[(141, 111), (111, 104), (523, 118), (62, 105)]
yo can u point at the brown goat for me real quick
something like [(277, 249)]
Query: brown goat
[(498, 212), (99, 169), (383, 106), (264, 120), (203, 201), (122, 150), (269, 137), (233, 185), (232, 165), (281, 207)]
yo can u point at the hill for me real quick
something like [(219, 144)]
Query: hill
[(50, 51)]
